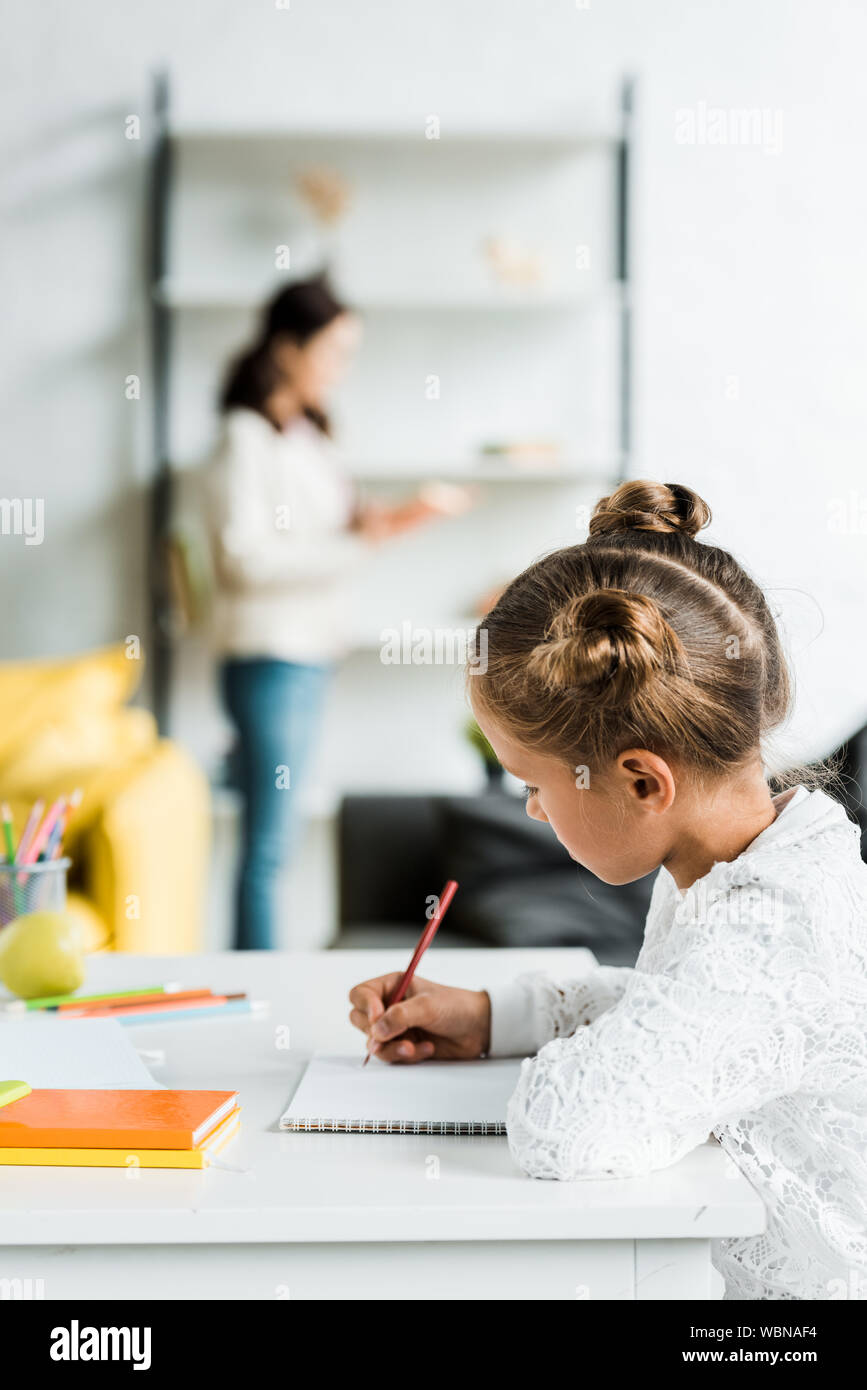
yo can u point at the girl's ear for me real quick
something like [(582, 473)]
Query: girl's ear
[(647, 779)]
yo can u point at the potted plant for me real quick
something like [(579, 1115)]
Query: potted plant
[(494, 770)]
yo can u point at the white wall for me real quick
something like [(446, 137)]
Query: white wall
[(751, 351)]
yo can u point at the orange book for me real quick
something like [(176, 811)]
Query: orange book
[(113, 1119)]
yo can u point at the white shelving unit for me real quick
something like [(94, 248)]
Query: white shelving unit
[(531, 361)]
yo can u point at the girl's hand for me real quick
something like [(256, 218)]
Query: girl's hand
[(430, 1021)]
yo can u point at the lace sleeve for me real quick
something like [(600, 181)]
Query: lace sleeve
[(534, 1008), (714, 1025)]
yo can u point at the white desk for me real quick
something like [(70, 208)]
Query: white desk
[(350, 1216)]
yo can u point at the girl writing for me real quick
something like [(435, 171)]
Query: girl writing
[(630, 682)]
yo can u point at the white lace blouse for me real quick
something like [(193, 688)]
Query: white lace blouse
[(746, 1017)]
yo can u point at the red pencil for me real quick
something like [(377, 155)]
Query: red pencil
[(425, 940)]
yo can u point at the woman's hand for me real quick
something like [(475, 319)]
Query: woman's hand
[(378, 522), (373, 524), (430, 1021)]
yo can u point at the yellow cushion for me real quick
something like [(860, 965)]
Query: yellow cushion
[(148, 855), (34, 694), (89, 750)]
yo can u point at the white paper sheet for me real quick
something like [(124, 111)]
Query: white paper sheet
[(77, 1054), (428, 1098)]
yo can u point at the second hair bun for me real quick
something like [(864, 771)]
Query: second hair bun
[(642, 505)]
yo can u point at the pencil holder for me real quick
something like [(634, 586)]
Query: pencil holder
[(32, 888)]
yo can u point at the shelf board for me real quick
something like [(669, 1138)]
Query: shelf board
[(477, 472), (524, 140), (178, 294), (590, 471)]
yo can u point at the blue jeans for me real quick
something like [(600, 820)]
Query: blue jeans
[(275, 707)]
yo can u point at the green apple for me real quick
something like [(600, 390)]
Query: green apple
[(41, 954)]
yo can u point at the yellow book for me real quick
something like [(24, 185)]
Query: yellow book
[(132, 1158)]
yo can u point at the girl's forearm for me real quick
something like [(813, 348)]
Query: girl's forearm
[(534, 1009)]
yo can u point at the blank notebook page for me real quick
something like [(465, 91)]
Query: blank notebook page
[(87, 1054), (335, 1094)]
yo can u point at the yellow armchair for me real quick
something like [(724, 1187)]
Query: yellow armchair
[(139, 840)]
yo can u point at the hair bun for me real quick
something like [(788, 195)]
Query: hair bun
[(605, 646), (647, 506)]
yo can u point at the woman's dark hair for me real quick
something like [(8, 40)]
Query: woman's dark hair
[(302, 309), (250, 380), (297, 312)]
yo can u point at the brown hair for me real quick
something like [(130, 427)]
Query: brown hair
[(252, 378), (299, 312), (641, 637)]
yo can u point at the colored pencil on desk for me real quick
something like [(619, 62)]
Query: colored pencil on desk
[(149, 1006), (121, 1001), (233, 1006), (53, 1001)]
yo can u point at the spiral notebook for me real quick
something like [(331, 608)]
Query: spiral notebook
[(336, 1096)]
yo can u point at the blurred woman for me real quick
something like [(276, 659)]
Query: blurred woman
[(287, 535)]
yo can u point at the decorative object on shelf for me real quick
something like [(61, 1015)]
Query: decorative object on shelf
[(326, 192), (494, 770), (523, 453), (514, 263)]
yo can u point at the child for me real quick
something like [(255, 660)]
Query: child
[(630, 682)]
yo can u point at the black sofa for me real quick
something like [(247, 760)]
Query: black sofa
[(518, 886)]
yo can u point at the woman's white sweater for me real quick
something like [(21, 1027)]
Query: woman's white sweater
[(279, 507)]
